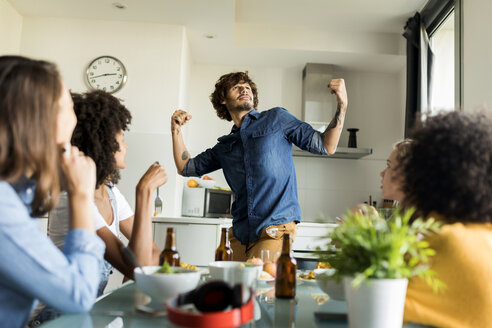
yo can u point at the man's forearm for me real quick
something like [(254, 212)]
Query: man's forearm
[(180, 153), (331, 136)]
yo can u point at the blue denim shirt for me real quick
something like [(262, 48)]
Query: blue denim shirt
[(32, 268), (257, 163)]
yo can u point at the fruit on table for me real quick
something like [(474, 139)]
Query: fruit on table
[(206, 177), (323, 265), (255, 260), (192, 183), (270, 268), (265, 275)]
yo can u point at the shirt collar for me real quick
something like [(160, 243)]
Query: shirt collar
[(253, 114), (24, 187)]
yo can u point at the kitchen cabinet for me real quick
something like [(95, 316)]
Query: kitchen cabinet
[(309, 236), (197, 238)]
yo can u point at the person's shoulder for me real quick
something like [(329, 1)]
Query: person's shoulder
[(461, 228), (275, 115), (11, 205), (7, 193), (274, 111), (116, 191), (459, 234), (5, 188)]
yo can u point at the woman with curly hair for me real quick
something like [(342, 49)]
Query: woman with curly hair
[(36, 121), (447, 174), (101, 122)]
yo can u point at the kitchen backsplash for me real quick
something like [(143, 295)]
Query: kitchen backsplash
[(327, 187)]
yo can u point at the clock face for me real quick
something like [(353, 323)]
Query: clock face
[(106, 73)]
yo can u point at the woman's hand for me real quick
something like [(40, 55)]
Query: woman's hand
[(155, 177), (79, 172), (364, 209)]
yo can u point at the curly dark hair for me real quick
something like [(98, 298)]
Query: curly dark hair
[(448, 169), (223, 85), (100, 117)]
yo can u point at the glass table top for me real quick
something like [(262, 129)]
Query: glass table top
[(126, 307)]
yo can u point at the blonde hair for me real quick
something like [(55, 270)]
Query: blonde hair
[(29, 94)]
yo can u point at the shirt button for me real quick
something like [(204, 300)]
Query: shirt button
[(28, 191)]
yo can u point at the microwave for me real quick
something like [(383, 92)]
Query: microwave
[(205, 202)]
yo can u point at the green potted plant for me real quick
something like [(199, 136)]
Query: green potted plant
[(375, 258)]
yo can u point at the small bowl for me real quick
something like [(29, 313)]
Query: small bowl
[(235, 272), (207, 183), (328, 284), (161, 286)]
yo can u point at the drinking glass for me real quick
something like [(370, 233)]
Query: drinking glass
[(268, 255)]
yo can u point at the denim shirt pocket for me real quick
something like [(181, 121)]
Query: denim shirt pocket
[(264, 132), (266, 140)]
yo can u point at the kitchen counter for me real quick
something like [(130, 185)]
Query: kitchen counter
[(191, 220), (202, 220), (205, 232)]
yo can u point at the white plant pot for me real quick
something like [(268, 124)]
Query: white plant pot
[(377, 305)]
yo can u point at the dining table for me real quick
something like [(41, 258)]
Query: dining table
[(126, 307)]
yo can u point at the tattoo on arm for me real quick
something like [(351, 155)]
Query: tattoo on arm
[(337, 120), (184, 156)]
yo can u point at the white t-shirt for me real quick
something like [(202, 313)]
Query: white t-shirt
[(59, 218)]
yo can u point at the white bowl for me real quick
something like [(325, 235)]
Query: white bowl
[(161, 286), (235, 272), (328, 284), (207, 183)]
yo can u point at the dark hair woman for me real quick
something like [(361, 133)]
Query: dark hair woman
[(36, 119), (447, 174), (101, 122)]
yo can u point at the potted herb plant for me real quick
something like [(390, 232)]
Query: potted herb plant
[(375, 258)]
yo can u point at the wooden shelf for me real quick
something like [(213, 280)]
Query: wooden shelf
[(342, 152)]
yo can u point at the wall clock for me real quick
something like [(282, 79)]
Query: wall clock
[(106, 73)]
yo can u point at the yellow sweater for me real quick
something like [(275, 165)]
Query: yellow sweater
[(463, 261)]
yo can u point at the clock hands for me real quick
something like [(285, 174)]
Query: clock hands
[(107, 74)]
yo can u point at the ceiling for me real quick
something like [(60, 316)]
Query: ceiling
[(355, 33)]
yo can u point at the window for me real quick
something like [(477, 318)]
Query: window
[(434, 52), (442, 89)]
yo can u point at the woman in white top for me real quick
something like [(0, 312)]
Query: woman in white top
[(101, 120)]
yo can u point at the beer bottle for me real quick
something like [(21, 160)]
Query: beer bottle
[(170, 254), (224, 251), (285, 281)]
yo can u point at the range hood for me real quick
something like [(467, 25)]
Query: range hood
[(318, 104)]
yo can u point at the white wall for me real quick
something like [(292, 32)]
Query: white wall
[(326, 186), (10, 29), (162, 78), (477, 54), (156, 57)]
